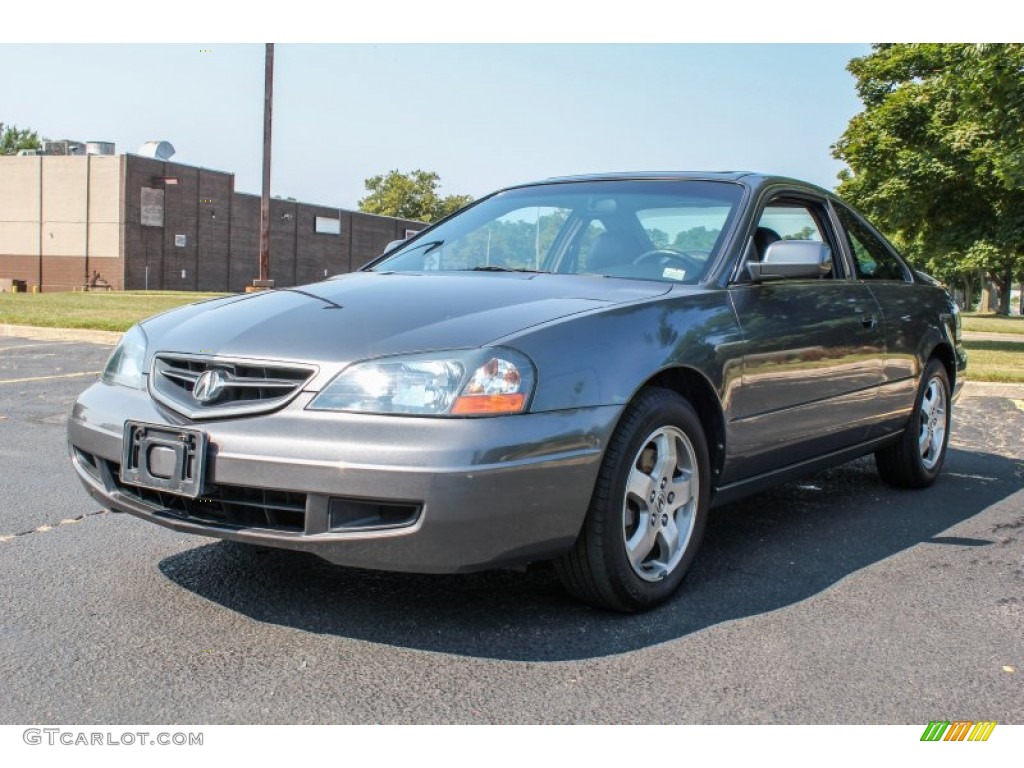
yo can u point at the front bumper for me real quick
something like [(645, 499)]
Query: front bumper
[(489, 492)]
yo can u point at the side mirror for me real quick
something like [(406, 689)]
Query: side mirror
[(792, 259)]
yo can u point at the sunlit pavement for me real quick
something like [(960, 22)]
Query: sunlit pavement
[(830, 600)]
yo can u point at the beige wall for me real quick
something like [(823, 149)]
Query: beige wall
[(221, 228), (19, 205), (64, 216), (105, 207)]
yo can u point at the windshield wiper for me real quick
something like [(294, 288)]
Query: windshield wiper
[(429, 245), (496, 268), (324, 299)]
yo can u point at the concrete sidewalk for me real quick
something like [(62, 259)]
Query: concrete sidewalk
[(1011, 390), (1012, 338)]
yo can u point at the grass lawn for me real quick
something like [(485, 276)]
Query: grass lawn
[(993, 324), (106, 310), (995, 360)]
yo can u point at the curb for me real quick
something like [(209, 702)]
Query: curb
[(61, 334)]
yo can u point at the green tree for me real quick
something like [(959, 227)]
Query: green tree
[(936, 158), (699, 238), (508, 242), (659, 238), (13, 139), (807, 233), (410, 196)]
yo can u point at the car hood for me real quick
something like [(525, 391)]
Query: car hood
[(369, 314)]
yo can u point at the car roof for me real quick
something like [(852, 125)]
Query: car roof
[(747, 178), (621, 175)]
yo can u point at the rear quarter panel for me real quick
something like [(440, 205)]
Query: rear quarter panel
[(919, 320)]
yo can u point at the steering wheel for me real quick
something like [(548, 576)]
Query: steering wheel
[(690, 263)]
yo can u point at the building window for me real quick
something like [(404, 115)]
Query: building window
[(152, 207), (325, 225)]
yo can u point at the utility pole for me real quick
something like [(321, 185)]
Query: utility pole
[(268, 106)]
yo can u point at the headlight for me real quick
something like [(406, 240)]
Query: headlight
[(125, 365), (487, 382)]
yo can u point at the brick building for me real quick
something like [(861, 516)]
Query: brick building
[(138, 222)]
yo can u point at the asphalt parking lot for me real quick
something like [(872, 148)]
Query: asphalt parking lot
[(830, 600)]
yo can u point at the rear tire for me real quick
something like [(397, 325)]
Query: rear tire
[(648, 511), (916, 459)]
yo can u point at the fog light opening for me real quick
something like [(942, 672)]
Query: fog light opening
[(362, 514), (88, 462)]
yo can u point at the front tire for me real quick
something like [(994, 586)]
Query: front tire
[(916, 459), (648, 511)]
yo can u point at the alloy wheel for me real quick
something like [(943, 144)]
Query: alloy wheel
[(659, 508)]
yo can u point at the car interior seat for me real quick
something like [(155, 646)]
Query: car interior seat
[(763, 237), (611, 249)]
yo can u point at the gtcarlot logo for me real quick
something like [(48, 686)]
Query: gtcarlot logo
[(67, 738), (958, 730)]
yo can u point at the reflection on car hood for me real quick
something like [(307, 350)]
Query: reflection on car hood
[(368, 314)]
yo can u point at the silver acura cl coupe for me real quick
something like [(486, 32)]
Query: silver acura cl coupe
[(575, 370)]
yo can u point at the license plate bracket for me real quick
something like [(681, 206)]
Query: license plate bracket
[(164, 458)]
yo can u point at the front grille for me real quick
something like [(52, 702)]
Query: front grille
[(235, 506), (242, 386)]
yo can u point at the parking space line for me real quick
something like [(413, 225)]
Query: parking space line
[(47, 378), (33, 346), (45, 527)]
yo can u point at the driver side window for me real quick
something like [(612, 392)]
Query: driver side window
[(790, 220)]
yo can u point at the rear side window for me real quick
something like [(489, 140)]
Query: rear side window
[(872, 258)]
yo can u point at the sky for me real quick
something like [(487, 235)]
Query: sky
[(481, 116), (484, 94)]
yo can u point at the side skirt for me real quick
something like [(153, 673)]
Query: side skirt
[(727, 494)]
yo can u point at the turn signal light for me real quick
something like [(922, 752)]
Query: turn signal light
[(479, 405)]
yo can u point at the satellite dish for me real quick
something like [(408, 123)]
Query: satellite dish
[(159, 150)]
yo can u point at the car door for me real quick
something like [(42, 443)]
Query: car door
[(813, 350), (904, 315)]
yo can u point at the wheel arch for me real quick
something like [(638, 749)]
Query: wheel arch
[(701, 394), (943, 352)]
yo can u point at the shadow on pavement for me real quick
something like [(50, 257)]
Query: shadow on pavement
[(761, 554)]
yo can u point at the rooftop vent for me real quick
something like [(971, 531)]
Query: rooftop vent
[(159, 150), (99, 147)]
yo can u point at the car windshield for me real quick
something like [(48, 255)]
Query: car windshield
[(645, 229)]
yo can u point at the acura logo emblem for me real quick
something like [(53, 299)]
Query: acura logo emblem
[(209, 385)]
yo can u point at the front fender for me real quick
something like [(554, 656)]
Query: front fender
[(603, 358)]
